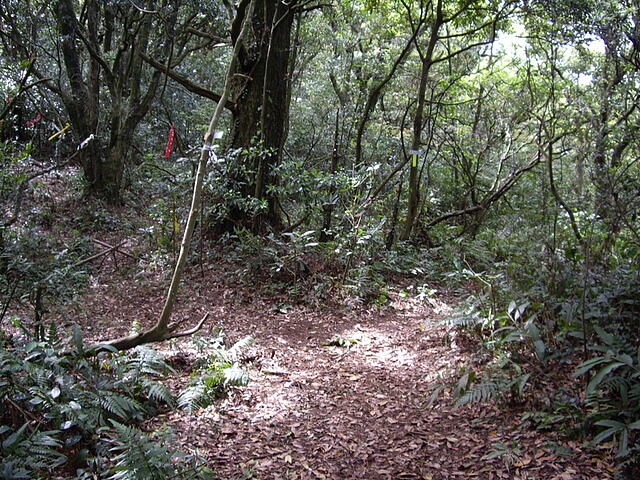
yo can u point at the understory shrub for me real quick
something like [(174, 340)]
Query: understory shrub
[(581, 309), (65, 414)]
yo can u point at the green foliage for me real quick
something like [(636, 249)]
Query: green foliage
[(221, 371), (37, 266), (510, 340), (62, 410), (165, 187), (26, 450), (229, 185), (613, 390), (509, 454), (139, 456), (498, 387)]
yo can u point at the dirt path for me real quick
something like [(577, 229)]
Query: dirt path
[(363, 410)]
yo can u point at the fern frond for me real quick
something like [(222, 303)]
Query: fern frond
[(139, 457), (482, 392), (123, 407), (193, 397), (239, 346), (37, 452), (465, 320), (145, 359), (617, 384), (236, 376), (157, 391)]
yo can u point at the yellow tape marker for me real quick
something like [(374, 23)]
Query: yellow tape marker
[(414, 157), (57, 134)]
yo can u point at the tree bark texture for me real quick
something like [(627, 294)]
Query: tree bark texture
[(418, 122), (262, 103)]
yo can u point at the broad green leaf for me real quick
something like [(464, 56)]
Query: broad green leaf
[(610, 423), (609, 432), (14, 437), (606, 337), (626, 359), (587, 365), (634, 426), (598, 377)]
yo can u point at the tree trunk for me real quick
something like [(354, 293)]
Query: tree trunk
[(418, 123), (262, 106), (164, 330), (329, 206), (105, 46)]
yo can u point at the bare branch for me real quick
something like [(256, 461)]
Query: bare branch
[(186, 83)]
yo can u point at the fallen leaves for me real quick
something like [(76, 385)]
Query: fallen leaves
[(379, 408)]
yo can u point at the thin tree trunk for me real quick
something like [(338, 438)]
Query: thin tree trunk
[(329, 207), (418, 121), (375, 94)]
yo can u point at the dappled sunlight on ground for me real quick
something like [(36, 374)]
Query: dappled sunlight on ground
[(342, 393)]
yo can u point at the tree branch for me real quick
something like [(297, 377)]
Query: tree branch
[(486, 202), (186, 83)]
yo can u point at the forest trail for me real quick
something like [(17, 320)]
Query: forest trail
[(348, 393)]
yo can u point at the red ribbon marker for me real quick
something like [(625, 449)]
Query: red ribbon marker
[(32, 122), (169, 147)]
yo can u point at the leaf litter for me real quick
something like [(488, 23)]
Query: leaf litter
[(339, 392)]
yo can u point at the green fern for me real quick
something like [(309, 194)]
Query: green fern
[(232, 354), (139, 458), (235, 376), (193, 397), (239, 347), (30, 451), (145, 359), (44, 386), (157, 391), (490, 391), (222, 371), (482, 392), (466, 320), (143, 457), (123, 407)]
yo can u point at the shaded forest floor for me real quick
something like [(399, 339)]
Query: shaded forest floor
[(374, 403)]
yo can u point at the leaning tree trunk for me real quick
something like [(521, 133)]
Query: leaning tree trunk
[(164, 330)]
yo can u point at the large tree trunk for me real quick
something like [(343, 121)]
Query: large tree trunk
[(262, 106)]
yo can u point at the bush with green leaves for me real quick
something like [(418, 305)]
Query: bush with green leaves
[(140, 456), (228, 185), (569, 306), (613, 391), (61, 411)]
